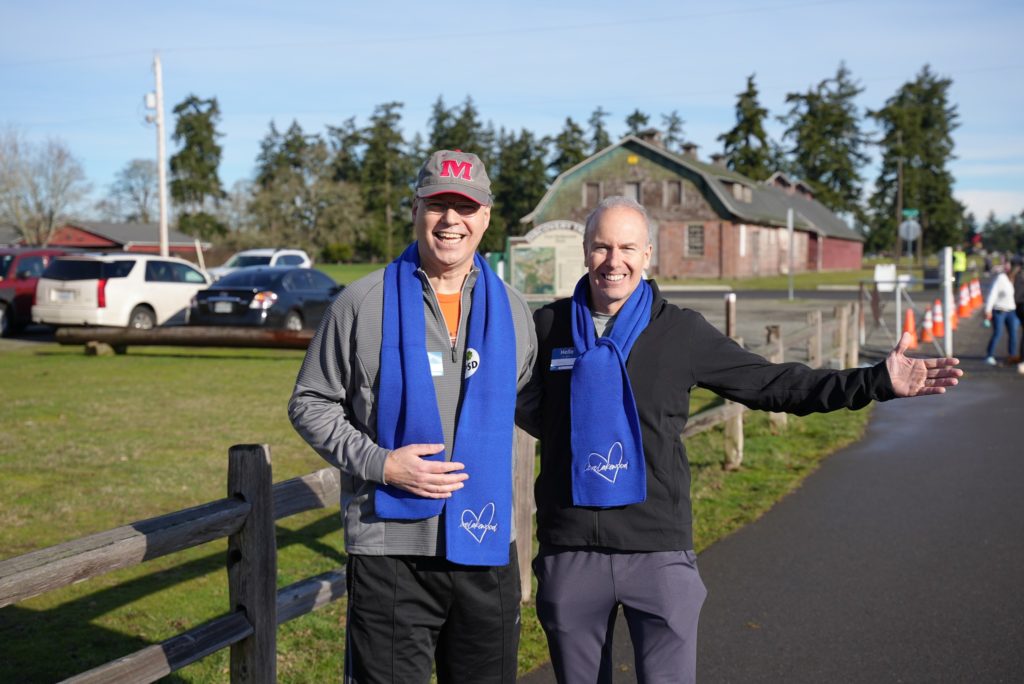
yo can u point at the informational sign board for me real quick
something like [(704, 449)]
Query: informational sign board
[(548, 260)]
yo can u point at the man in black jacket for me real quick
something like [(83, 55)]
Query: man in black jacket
[(609, 400)]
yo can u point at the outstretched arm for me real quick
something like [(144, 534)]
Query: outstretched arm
[(920, 377)]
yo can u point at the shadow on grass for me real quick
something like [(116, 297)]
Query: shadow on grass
[(54, 644)]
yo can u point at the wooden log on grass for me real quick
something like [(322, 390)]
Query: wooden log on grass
[(186, 336)]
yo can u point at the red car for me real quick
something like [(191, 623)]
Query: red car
[(20, 268)]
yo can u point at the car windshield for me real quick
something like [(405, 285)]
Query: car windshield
[(258, 278), (5, 263), (244, 260), (87, 269)]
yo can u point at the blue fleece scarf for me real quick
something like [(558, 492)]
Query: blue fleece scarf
[(477, 517), (607, 451)]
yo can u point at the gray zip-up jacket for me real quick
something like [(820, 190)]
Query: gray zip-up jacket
[(333, 406)]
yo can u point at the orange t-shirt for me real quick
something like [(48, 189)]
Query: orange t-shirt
[(451, 309)]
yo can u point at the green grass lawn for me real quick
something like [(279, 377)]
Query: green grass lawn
[(92, 443)]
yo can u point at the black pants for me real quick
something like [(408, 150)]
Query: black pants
[(406, 612)]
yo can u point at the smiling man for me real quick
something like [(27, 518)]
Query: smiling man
[(609, 399), (409, 388)]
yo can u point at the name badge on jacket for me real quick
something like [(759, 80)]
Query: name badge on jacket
[(563, 358)]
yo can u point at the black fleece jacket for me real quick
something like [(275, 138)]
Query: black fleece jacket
[(678, 350)]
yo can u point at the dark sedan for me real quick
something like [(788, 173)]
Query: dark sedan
[(270, 297)]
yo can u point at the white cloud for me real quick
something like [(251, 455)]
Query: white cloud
[(1004, 203)]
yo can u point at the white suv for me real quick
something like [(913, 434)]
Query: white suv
[(262, 257), (124, 290)]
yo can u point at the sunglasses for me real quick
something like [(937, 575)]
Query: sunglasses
[(463, 209)]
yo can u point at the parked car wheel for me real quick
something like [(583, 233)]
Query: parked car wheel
[(142, 318), (293, 321)]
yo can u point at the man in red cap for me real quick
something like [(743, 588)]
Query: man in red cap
[(409, 389)]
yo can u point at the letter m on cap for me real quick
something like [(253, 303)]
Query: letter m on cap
[(450, 167)]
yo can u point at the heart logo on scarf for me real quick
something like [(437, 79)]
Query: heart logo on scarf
[(476, 525), (608, 466)]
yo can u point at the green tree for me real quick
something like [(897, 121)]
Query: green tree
[(1003, 236), (673, 134), (599, 138), (746, 145), (636, 122), (917, 125), (569, 147), (461, 129), (298, 200), (387, 177), (828, 146), (519, 181), (195, 185), (345, 142)]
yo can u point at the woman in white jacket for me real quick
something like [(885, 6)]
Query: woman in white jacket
[(1000, 310)]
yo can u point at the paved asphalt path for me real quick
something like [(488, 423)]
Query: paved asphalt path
[(900, 560)]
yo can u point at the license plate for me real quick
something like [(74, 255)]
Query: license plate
[(64, 295), (222, 307)]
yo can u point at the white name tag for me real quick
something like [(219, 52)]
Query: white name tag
[(563, 358), (436, 363)]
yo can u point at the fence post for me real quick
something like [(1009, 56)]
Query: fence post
[(733, 424), (776, 421), (525, 456), (854, 347), (252, 565), (843, 315), (814, 342)]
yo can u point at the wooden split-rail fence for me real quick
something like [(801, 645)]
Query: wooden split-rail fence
[(246, 516)]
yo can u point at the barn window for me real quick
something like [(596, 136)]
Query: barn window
[(673, 193), (695, 240), (632, 191)]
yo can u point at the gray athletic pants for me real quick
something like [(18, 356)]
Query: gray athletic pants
[(579, 591)]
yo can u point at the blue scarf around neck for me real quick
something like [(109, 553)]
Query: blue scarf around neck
[(607, 451), (477, 517)]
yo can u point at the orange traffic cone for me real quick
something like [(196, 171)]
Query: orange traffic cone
[(910, 327), (938, 324), (964, 310), (977, 300), (954, 320), (927, 335)]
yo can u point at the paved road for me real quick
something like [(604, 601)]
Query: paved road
[(900, 560)]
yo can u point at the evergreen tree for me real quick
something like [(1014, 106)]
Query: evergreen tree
[(440, 125), (460, 129), (828, 145), (917, 124), (518, 183), (345, 141), (636, 122), (1004, 236), (297, 198), (387, 177), (746, 145), (569, 147), (672, 137), (599, 138), (195, 184)]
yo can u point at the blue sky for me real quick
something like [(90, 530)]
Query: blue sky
[(79, 70)]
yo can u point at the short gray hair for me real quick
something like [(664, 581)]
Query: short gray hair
[(616, 202)]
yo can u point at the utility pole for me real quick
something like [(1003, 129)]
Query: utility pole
[(155, 101)]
